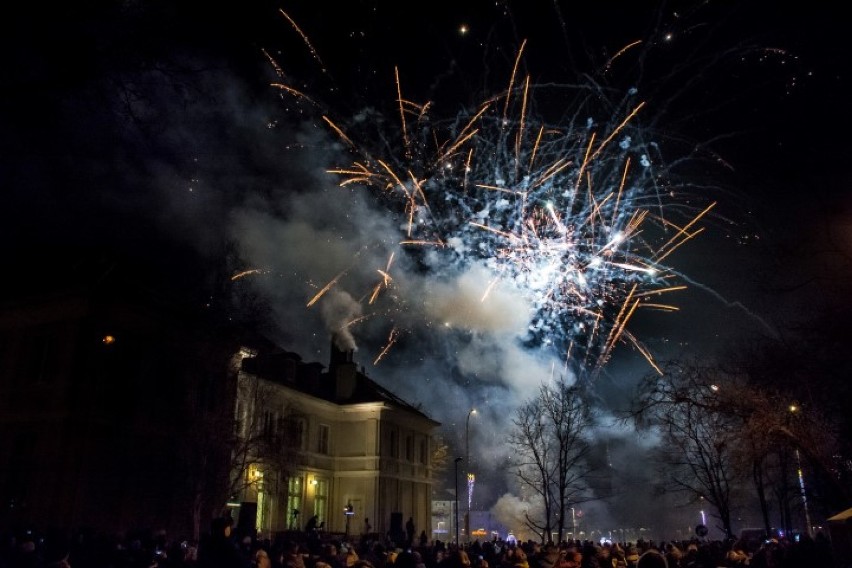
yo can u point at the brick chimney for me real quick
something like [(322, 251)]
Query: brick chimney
[(342, 371)]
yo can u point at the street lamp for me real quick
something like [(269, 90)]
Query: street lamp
[(457, 499), (469, 475), (348, 511), (573, 524)]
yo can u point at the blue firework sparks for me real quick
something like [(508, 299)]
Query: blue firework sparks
[(576, 214)]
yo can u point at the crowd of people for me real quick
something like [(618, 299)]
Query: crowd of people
[(221, 547)]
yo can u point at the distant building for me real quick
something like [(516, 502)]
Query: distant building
[(444, 520)]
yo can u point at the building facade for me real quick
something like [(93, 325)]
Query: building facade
[(331, 445)]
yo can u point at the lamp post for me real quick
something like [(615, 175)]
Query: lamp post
[(573, 524), (467, 463), (348, 511), (457, 499)]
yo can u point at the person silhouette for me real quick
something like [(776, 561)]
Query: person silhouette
[(409, 530)]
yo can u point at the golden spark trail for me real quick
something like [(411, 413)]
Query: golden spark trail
[(277, 68), (423, 110), (620, 190), (384, 283), (678, 245), (597, 208), (520, 133), (293, 91), (464, 135), (458, 143), (535, 147), (664, 307), (419, 189), (660, 291), (391, 340), (614, 332), (339, 131), (360, 175), (306, 40), (244, 273), (555, 168), (639, 347), (376, 289), (682, 231), (326, 288), (617, 130), (402, 113), (356, 320), (621, 52), (467, 168), (585, 162), (493, 230), (512, 80)]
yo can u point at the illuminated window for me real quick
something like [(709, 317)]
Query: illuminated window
[(321, 498), (294, 500)]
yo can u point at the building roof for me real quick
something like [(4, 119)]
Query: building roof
[(343, 383)]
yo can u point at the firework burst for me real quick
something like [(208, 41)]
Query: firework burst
[(576, 214)]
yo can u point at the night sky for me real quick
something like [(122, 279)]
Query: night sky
[(149, 132)]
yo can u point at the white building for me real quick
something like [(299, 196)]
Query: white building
[(327, 444)]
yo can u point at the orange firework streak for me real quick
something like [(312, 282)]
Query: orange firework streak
[(325, 289)]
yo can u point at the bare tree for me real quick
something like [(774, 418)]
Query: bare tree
[(699, 438), (786, 413), (724, 425), (237, 422), (550, 453), (269, 438), (781, 438), (208, 415)]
